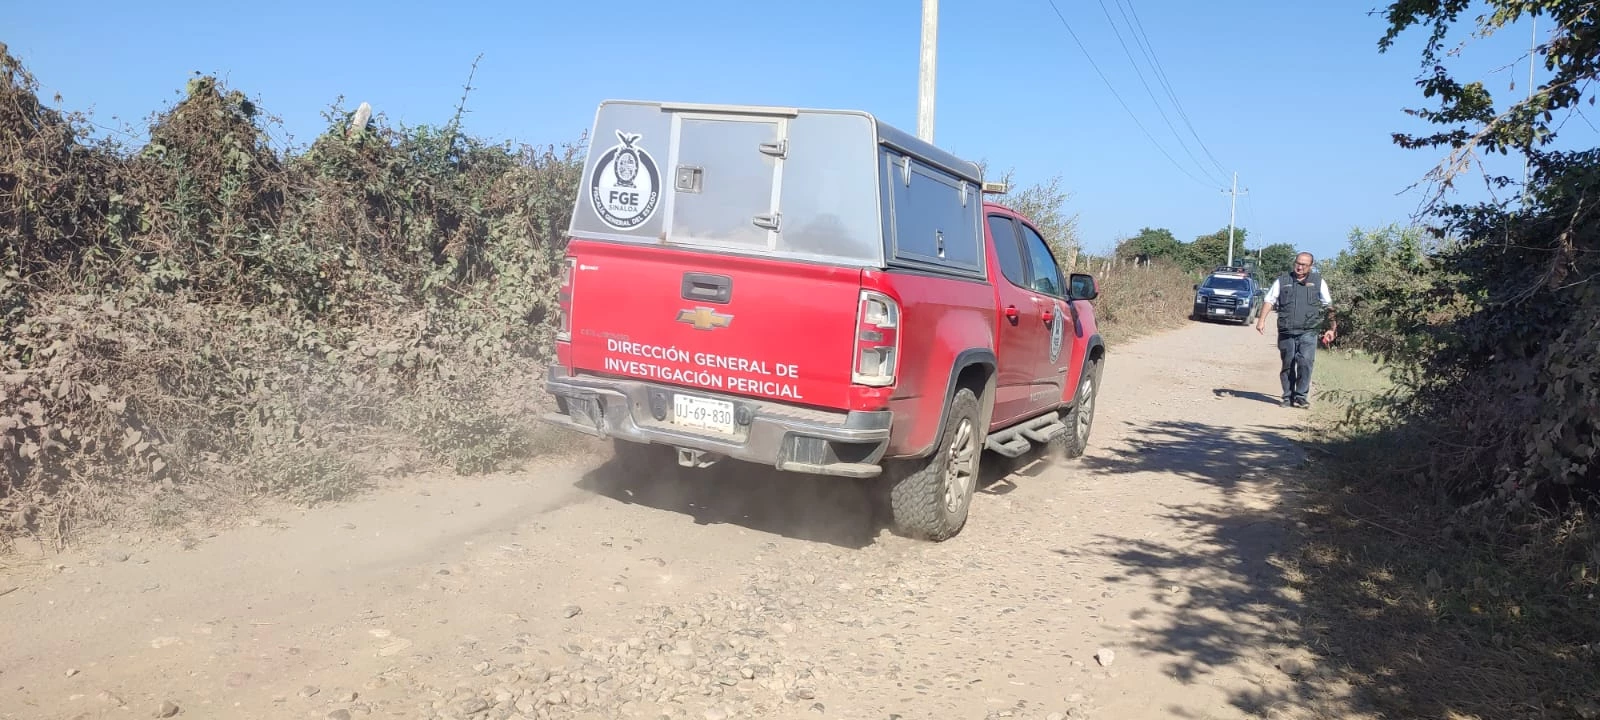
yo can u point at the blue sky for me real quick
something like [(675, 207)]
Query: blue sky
[(1294, 96)]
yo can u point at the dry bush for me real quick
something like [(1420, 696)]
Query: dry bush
[(1459, 560), (1138, 300), (1497, 351), (54, 185), (204, 318), (1498, 373)]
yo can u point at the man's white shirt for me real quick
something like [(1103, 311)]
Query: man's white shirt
[(1272, 293)]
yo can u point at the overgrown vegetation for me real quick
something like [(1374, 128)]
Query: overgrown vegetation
[(1379, 269), (205, 317), (1461, 540), (1427, 611), (1492, 328), (1138, 300)]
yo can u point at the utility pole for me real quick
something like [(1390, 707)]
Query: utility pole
[(925, 73), (1233, 206)]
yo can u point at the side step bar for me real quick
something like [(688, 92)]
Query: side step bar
[(1017, 439)]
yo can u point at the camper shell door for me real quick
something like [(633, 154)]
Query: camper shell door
[(770, 182)]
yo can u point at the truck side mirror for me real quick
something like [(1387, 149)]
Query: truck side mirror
[(1082, 286)]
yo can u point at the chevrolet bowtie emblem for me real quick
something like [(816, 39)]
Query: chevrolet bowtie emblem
[(704, 318)]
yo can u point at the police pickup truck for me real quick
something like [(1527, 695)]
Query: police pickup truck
[(1229, 293)]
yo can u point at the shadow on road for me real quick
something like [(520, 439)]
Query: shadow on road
[(1216, 455), (1380, 602), (1228, 597), (845, 512), (838, 511), (1221, 570), (1246, 394)]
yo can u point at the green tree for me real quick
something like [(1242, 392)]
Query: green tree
[(1501, 383), (1155, 242), (1209, 251), (1274, 259), (1379, 268), (1468, 109)]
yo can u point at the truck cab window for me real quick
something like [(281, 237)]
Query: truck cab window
[(1046, 274), (1008, 249)]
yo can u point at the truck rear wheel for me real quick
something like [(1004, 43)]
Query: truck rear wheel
[(930, 499), (1080, 419)]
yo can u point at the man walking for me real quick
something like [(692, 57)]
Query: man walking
[(1301, 299)]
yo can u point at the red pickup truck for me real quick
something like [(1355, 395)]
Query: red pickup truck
[(816, 291)]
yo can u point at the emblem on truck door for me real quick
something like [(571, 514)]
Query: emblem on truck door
[(704, 318), (625, 184), (1055, 331)]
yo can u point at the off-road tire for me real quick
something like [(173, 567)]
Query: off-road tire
[(1080, 419), (918, 503)]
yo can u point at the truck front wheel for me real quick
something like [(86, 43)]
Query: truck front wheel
[(1080, 419), (930, 497)]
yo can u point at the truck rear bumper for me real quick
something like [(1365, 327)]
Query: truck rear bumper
[(848, 444)]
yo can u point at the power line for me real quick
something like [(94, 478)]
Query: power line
[(1126, 51), (1161, 76), (1114, 94), (1250, 213), (1142, 39)]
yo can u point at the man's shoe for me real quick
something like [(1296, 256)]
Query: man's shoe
[(1302, 403), (1283, 403)]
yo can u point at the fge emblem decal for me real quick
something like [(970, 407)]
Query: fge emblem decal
[(1056, 330), (625, 185)]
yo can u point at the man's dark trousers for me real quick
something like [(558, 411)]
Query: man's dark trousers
[(1298, 351)]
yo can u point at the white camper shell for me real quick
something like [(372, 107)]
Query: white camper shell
[(837, 187)]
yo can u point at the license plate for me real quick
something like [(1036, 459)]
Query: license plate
[(703, 413), (1219, 311)]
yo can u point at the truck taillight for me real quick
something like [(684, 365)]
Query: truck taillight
[(569, 271), (877, 340)]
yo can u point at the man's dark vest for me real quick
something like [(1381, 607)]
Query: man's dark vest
[(1300, 307)]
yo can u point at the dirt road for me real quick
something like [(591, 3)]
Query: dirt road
[(1136, 582)]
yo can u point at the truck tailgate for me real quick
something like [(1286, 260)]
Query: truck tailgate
[(750, 327)]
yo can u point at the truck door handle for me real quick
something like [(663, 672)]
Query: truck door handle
[(1048, 315), (779, 149), (1011, 313), (705, 287)]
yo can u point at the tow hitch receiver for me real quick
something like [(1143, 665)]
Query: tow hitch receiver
[(689, 457)]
